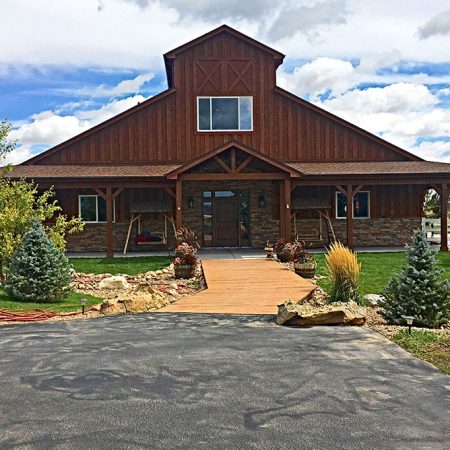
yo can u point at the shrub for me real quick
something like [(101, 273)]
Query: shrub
[(185, 254), (343, 269), (188, 236), (38, 271), (418, 290)]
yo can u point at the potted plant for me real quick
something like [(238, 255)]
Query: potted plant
[(304, 263), (185, 261), (269, 250), (284, 250)]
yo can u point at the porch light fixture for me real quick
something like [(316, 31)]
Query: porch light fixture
[(409, 322), (191, 202), (261, 200), (83, 302)]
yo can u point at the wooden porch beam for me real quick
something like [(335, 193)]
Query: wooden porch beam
[(341, 189), (287, 206), (358, 189), (244, 163), (222, 164), (350, 216), (171, 192), (282, 211), (100, 193), (234, 176), (116, 193), (109, 223), (233, 160), (178, 204), (444, 218)]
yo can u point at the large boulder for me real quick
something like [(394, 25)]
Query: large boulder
[(114, 282), (305, 314), (374, 299), (112, 307)]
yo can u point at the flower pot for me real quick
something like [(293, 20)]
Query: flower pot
[(184, 271), (305, 270), (284, 257), (269, 252)]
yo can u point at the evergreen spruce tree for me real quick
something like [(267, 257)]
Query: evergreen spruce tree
[(38, 271), (418, 290)]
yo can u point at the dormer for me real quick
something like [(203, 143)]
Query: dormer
[(223, 62)]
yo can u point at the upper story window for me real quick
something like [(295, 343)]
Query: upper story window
[(92, 208), (361, 205), (225, 113)]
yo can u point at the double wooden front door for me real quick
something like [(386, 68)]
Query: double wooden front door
[(225, 222)]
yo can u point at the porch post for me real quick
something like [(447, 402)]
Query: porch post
[(350, 216), (287, 207), (282, 210), (109, 223), (444, 218), (178, 203)]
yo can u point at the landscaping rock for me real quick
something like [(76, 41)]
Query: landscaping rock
[(114, 282), (111, 307), (304, 314), (374, 299)]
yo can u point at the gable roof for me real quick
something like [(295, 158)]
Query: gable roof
[(244, 148), (346, 124), (100, 126), (170, 55)]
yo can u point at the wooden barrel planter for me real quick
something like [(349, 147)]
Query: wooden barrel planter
[(305, 270), (184, 271)]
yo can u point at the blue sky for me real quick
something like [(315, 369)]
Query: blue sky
[(383, 65)]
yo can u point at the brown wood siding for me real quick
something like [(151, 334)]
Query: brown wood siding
[(165, 130), (399, 201)]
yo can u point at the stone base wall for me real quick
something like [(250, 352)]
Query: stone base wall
[(383, 232), (93, 237)]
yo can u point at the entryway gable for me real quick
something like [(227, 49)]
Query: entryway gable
[(235, 160)]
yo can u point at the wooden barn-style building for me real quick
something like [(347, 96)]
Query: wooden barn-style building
[(227, 152)]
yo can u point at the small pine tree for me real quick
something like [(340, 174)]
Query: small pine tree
[(418, 290), (38, 271)]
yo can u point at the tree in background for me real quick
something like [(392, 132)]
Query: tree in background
[(6, 145), (418, 291), (21, 203), (432, 205), (38, 270)]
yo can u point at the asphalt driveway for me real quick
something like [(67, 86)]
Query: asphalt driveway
[(198, 381)]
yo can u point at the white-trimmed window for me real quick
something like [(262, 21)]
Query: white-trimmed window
[(92, 209), (224, 113), (361, 205)]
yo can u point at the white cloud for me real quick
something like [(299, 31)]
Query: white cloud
[(130, 86), (438, 24), (400, 113), (433, 151), (19, 155), (48, 128), (309, 19), (319, 76)]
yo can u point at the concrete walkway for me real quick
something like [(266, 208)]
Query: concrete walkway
[(244, 287)]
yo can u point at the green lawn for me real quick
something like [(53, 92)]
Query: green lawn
[(130, 266), (429, 346), (378, 268), (71, 303)]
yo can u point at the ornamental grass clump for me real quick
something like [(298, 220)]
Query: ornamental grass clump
[(418, 291), (343, 270), (38, 270)]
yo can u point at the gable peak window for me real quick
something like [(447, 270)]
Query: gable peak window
[(224, 113)]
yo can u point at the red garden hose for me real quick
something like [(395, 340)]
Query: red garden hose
[(33, 315)]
